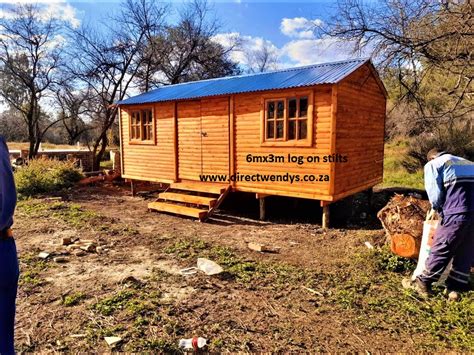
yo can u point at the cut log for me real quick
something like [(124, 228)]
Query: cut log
[(405, 245), (404, 215), (402, 218)]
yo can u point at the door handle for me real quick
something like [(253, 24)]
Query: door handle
[(204, 134)]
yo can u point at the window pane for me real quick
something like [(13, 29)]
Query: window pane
[(302, 129), (279, 133), (148, 116), (292, 129), (280, 109), (292, 108), (303, 107), (271, 109), (270, 127)]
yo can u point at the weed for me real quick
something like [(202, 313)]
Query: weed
[(74, 299), (185, 249), (109, 305), (31, 269)]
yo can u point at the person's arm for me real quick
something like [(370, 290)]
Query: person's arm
[(7, 187), (434, 186)]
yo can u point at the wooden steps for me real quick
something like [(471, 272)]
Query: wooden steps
[(178, 209), (190, 198), (180, 197), (195, 186)]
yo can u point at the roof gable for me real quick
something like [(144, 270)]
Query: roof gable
[(325, 73)]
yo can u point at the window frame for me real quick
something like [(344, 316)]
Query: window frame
[(142, 140), (286, 97)]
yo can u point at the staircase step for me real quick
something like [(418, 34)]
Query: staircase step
[(198, 200), (199, 187), (178, 209)]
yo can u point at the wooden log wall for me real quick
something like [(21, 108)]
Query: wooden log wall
[(360, 126), (247, 137), (149, 162)]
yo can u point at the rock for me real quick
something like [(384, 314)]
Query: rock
[(112, 341), (66, 241), (43, 255), (61, 259), (89, 248), (80, 252), (262, 248)]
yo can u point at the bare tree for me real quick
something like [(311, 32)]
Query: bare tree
[(74, 109), (30, 63), (186, 51), (107, 62), (261, 59), (416, 42)]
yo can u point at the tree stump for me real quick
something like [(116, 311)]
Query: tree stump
[(402, 218)]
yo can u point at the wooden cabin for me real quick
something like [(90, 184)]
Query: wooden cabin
[(313, 132)]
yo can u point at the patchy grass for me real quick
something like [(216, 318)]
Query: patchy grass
[(373, 292), (73, 299), (369, 288), (31, 268), (395, 175), (72, 214), (110, 305)]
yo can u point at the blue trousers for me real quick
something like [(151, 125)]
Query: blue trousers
[(9, 273), (454, 239)]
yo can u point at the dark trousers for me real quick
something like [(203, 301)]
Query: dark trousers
[(9, 273), (454, 239)]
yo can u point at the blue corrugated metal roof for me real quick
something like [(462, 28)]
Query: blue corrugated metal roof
[(325, 73)]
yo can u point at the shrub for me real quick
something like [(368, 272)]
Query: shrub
[(46, 176), (455, 139)]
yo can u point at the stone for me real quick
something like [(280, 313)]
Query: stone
[(66, 241), (60, 259), (262, 248), (80, 252), (112, 341), (43, 255)]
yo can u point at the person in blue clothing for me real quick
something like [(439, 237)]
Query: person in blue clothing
[(449, 182), (9, 271)]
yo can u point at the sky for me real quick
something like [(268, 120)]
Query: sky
[(285, 27)]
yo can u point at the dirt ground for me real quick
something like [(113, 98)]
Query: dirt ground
[(324, 290)]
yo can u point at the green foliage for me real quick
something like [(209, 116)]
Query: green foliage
[(46, 176), (31, 268), (385, 260), (373, 290), (111, 304), (455, 139), (72, 214), (74, 299), (395, 173)]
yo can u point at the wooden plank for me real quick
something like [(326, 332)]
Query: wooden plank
[(175, 142), (211, 188), (198, 200), (332, 149), (178, 209), (122, 172)]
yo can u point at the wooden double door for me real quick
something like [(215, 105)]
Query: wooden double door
[(203, 138)]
